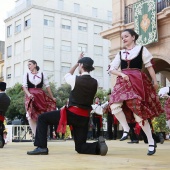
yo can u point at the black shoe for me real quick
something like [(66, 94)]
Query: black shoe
[(1, 142), (125, 137), (38, 151), (102, 145), (133, 141), (152, 152)]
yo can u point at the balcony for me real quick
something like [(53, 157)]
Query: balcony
[(129, 11)]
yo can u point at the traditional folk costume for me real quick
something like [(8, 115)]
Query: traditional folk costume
[(76, 114), (4, 104), (97, 121), (137, 97), (40, 103)]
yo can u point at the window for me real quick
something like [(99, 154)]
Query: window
[(109, 15), (98, 72), (9, 30), (18, 48), (66, 46), (82, 26), (97, 29), (76, 8), (60, 4), (65, 69), (98, 50), (48, 21), (8, 72), (49, 43), (27, 44), (17, 70), (66, 24), (94, 12), (9, 51), (49, 65), (18, 26), (82, 47), (27, 21)]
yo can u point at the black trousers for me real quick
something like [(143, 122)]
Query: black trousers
[(132, 134), (2, 128), (110, 123), (80, 128), (96, 122)]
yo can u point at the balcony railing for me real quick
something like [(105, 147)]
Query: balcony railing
[(129, 11)]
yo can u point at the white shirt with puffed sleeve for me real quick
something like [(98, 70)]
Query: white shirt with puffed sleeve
[(35, 79), (146, 57)]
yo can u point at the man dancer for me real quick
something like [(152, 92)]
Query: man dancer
[(84, 88), (4, 104)]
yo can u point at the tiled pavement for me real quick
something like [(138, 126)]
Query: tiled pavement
[(121, 156)]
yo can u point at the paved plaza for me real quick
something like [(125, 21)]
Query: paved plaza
[(121, 156)]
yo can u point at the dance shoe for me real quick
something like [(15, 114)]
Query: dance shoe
[(102, 146), (152, 152), (38, 151), (133, 141), (124, 137)]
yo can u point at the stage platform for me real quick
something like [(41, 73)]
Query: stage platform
[(121, 156)]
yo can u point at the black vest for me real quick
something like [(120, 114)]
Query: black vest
[(83, 93), (4, 103), (134, 63), (30, 85)]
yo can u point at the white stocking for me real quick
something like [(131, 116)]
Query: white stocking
[(33, 125), (147, 129), (122, 119)]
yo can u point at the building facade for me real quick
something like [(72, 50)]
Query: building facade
[(54, 33), (2, 49), (123, 18)]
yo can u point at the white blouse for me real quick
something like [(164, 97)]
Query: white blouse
[(35, 79), (146, 57)]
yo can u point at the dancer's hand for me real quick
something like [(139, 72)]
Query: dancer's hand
[(81, 55), (125, 77), (30, 96), (54, 99), (156, 86)]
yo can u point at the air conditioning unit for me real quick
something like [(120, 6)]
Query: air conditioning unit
[(8, 76)]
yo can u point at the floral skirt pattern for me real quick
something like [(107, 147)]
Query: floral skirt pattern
[(146, 107), (39, 104)]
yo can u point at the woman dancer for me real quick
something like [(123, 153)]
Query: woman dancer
[(36, 101), (133, 90)]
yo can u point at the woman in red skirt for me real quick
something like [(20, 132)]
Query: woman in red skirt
[(36, 100), (134, 95)]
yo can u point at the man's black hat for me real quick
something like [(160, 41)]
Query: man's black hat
[(87, 61), (2, 86)]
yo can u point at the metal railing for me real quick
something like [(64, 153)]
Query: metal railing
[(21, 133), (129, 11)]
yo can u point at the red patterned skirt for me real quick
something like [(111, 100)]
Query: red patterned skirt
[(167, 108), (138, 96), (39, 104)]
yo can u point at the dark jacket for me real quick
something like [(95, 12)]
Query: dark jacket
[(4, 103)]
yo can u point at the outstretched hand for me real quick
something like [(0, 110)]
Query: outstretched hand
[(81, 55)]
